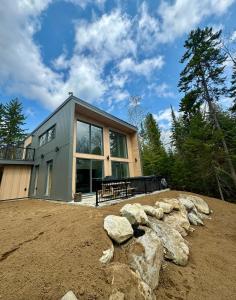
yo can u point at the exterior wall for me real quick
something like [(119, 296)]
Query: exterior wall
[(132, 146), (15, 182), (59, 150)]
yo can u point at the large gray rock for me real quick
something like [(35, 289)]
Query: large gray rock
[(135, 214), (167, 207), (69, 296), (194, 219), (127, 281), (176, 248), (178, 220), (148, 260), (188, 204), (173, 201), (153, 212), (199, 203), (107, 255), (118, 228), (117, 296)]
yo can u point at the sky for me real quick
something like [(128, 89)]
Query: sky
[(103, 51)]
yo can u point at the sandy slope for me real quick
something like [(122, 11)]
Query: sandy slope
[(47, 249)]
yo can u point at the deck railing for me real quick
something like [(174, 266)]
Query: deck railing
[(111, 189), (16, 153)]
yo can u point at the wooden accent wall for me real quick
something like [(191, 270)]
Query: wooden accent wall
[(132, 144), (15, 182)]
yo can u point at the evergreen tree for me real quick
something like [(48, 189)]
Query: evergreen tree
[(154, 156), (232, 91), (203, 77), (14, 120)]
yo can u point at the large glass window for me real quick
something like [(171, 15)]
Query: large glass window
[(89, 139), (36, 179), (49, 178), (87, 171), (120, 169), (118, 145)]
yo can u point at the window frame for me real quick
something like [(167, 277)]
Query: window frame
[(36, 179), (47, 190), (90, 131), (126, 145), (46, 135), (120, 163)]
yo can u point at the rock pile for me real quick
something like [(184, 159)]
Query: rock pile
[(162, 230)]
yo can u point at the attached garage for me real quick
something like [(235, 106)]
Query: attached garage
[(14, 181)]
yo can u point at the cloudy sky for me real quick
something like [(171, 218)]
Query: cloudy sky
[(103, 51)]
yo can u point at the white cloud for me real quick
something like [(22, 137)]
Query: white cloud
[(162, 90), (108, 37), (164, 119), (182, 15), (145, 67), (165, 115), (233, 36), (112, 39)]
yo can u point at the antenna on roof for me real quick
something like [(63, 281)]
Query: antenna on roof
[(70, 93)]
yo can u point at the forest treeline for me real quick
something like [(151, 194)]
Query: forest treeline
[(202, 154)]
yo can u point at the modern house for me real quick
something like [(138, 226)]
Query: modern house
[(76, 144)]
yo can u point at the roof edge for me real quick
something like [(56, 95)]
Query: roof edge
[(89, 106)]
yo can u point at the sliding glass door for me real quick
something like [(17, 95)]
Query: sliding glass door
[(87, 170)]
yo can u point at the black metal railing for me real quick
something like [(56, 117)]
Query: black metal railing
[(111, 189), (16, 153)]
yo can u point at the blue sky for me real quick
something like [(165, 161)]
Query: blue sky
[(103, 51)]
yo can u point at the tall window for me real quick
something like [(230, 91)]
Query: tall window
[(36, 179), (49, 178), (119, 169), (118, 145), (89, 139)]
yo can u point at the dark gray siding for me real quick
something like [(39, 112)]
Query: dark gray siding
[(62, 159)]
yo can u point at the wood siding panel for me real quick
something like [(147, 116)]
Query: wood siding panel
[(15, 182)]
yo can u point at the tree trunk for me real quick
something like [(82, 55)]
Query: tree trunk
[(217, 124), (219, 186)]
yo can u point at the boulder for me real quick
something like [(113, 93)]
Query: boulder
[(126, 281), (173, 201), (153, 212), (146, 257), (118, 228), (117, 296), (167, 207), (69, 296), (194, 219), (178, 220), (107, 255), (188, 204), (199, 203), (176, 248), (135, 214)]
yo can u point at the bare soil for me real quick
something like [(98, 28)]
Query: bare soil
[(47, 249)]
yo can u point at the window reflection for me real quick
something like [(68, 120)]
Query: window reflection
[(89, 139), (118, 145)]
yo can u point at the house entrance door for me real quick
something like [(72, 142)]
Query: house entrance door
[(86, 171)]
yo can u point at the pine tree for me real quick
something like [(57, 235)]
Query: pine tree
[(154, 156), (203, 76), (232, 91), (14, 120)]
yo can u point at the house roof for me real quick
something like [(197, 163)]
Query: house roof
[(88, 106)]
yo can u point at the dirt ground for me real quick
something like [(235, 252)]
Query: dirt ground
[(47, 249)]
